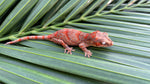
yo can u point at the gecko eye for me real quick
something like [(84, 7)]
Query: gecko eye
[(103, 43)]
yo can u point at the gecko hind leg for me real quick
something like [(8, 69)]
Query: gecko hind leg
[(67, 50)]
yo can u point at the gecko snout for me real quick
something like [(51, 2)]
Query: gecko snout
[(111, 43), (107, 43)]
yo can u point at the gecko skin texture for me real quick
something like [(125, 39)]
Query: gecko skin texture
[(74, 37)]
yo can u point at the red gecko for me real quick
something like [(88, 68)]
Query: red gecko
[(74, 37)]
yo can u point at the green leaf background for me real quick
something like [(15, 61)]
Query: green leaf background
[(42, 62)]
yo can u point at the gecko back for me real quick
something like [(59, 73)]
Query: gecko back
[(70, 36)]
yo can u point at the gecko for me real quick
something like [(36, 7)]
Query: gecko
[(72, 37)]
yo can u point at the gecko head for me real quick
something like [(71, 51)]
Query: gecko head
[(101, 39)]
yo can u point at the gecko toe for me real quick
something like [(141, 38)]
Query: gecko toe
[(88, 53), (69, 50)]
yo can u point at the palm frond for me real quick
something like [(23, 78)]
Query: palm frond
[(126, 21)]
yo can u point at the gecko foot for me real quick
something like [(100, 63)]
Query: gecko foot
[(69, 50), (88, 53)]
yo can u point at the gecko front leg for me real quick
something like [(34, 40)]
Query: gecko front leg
[(67, 50), (86, 51)]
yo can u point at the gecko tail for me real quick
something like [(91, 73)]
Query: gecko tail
[(28, 38)]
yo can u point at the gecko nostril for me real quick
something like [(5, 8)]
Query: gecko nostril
[(112, 43)]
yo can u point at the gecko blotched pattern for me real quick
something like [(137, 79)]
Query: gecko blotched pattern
[(74, 37)]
